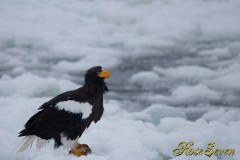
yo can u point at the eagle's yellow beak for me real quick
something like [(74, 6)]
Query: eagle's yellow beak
[(104, 74)]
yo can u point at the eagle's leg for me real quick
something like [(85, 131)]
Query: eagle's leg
[(80, 149)]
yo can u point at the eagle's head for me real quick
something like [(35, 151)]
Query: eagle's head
[(94, 78)]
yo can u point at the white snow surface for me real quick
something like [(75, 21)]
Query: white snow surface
[(175, 67), (149, 134), (30, 85)]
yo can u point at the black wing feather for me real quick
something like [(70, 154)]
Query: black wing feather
[(79, 95), (50, 122)]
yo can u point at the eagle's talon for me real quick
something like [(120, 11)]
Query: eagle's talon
[(80, 149)]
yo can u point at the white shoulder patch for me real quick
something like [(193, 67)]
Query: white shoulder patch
[(75, 107)]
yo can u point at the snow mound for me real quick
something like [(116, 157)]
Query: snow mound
[(145, 79), (186, 72), (193, 94), (30, 85), (187, 96), (85, 63), (222, 115), (226, 82), (156, 112)]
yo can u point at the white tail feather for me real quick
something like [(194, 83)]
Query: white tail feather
[(28, 141), (41, 143)]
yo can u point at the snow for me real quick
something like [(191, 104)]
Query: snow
[(186, 72), (30, 85), (227, 82), (175, 67), (222, 115), (82, 30), (189, 94), (156, 112), (145, 79), (122, 132), (83, 64)]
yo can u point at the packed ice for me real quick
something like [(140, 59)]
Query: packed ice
[(175, 68)]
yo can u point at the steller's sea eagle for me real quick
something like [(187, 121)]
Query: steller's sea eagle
[(65, 117)]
